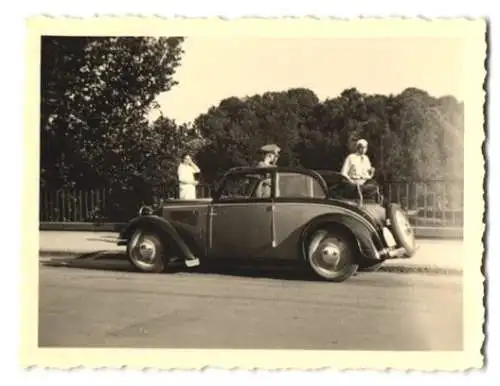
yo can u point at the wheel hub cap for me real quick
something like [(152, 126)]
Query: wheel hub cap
[(330, 254), (146, 250)]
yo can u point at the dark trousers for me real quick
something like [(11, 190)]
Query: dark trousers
[(369, 190)]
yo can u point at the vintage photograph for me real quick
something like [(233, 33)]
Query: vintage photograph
[(237, 191)]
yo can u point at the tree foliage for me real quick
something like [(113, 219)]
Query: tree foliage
[(411, 135), (95, 94)]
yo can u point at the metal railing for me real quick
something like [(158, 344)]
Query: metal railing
[(429, 203)]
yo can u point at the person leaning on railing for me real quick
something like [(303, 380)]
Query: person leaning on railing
[(359, 170)]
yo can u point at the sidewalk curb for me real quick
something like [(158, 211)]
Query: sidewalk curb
[(73, 253), (63, 253), (424, 268), (421, 232)]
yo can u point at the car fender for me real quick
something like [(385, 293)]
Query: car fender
[(367, 239), (160, 225)]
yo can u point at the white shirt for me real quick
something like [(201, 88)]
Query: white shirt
[(186, 173), (187, 188), (357, 167)]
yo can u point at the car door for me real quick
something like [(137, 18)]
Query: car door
[(298, 200), (241, 217)]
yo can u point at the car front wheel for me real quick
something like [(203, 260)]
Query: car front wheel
[(146, 251), (331, 255)]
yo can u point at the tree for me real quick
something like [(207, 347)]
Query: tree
[(169, 142), (237, 128), (95, 94), (411, 135)]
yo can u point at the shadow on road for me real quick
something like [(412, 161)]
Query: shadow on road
[(115, 261)]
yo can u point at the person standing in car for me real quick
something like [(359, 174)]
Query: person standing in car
[(270, 159), (271, 155)]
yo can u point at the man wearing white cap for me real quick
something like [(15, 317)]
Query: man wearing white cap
[(358, 169), (357, 166)]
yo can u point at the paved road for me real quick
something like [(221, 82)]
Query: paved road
[(229, 308)]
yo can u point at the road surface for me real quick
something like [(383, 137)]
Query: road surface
[(112, 306)]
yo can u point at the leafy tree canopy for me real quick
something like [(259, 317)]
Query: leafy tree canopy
[(95, 94), (411, 135)]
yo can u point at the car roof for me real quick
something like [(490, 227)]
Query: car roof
[(278, 169)]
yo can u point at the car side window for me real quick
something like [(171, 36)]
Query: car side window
[(297, 185), (247, 186)]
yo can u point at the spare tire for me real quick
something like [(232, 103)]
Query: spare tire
[(401, 228)]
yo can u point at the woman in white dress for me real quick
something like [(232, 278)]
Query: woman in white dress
[(187, 181)]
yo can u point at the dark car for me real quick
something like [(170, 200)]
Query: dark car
[(274, 213)]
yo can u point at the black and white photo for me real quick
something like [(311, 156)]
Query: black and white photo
[(317, 191)]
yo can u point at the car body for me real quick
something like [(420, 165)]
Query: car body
[(274, 214)]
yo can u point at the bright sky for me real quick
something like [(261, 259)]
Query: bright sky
[(214, 68)]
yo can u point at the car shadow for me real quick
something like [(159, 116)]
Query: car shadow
[(291, 272), (117, 261)]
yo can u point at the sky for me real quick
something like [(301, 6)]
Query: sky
[(214, 68)]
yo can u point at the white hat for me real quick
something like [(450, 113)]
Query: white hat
[(362, 142)]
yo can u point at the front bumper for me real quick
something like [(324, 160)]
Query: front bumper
[(394, 253)]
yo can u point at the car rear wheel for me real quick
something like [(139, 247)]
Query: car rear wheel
[(146, 251), (401, 228), (331, 255)]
